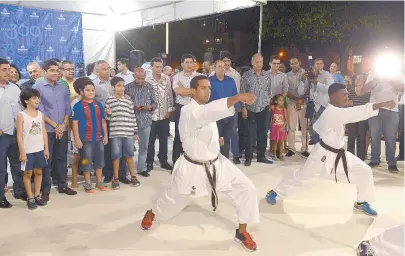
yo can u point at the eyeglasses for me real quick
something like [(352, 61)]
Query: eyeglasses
[(69, 69)]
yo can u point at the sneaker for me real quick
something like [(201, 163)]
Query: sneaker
[(271, 197), (144, 174), (400, 158), (5, 204), (364, 249), (88, 188), (135, 182), (305, 153), (31, 204), (365, 208), (236, 160), (21, 197), (246, 240), (281, 157), (372, 165), (115, 185), (393, 169), (45, 196), (101, 186), (40, 201), (290, 153), (125, 181), (68, 191), (147, 220)]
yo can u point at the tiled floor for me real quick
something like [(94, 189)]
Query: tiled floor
[(317, 221)]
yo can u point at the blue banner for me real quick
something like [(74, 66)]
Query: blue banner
[(31, 34)]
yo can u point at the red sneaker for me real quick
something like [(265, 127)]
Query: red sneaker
[(246, 240), (147, 220)]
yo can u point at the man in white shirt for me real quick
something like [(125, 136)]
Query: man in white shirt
[(181, 86), (192, 174), (386, 122), (124, 72), (320, 83), (328, 157)]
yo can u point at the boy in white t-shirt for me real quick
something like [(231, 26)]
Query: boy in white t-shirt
[(32, 142)]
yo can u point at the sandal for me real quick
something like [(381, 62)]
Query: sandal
[(88, 188), (101, 186)]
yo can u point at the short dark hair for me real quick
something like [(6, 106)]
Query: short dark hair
[(66, 62), (194, 81), (56, 59), (90, 68), (274, 101), (16, 68), (4, 61), (335, 87), (319, 58), (80, 83), (156, 59), (27, 94), (186, 56), (274, 57), (124, 61), (225, 54), (48, 63), (116, 79)]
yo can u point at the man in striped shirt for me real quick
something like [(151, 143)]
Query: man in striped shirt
[(123, 128)]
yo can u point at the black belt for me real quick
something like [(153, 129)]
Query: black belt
[(340, 155), (211, 178)]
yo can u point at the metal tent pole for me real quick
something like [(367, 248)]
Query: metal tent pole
[(260, 28), (167, 38)]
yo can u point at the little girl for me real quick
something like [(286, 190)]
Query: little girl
[(278, 124)]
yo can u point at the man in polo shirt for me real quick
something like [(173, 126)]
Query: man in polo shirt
[(223, 86), (55, 106), (257, 82), (68, 72), (181, 86), (124, 72), (236, 144), (9, 109), (102, 82)]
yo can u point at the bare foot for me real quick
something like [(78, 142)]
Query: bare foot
[(74, 185)]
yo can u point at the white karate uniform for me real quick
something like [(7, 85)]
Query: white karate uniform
[(199, 135), (331, 128), (389, 243)]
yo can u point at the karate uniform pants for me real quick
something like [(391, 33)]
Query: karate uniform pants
[(389, 243), (360, 174), (170, 203)]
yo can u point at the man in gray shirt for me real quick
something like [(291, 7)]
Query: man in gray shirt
[(257, 82), (386, 122)]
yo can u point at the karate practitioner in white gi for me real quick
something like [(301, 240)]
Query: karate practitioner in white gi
[(328, 158), (388, 243), (203, 168)]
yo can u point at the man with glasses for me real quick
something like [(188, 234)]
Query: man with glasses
[(35, 72), (68, 72)]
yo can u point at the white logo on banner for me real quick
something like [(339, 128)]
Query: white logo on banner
[(62, 39), (34, 15), (22, 49), (61, 17), (48, 27), (4, 12), (50, 49)]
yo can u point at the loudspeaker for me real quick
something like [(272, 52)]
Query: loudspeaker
[(165, 58), (136, 59)]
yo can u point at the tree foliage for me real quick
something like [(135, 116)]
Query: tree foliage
[(306, 25)]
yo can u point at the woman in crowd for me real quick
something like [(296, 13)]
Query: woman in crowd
[(15, 74)]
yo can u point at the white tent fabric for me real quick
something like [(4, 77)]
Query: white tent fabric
[(101, 18)]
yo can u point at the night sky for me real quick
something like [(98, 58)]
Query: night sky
[(188, 36)]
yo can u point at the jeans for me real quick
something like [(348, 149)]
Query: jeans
[(385, 123), (227, 129), (357, 133), (257, 120), (315, 136), (159, 129), (143, 148), (57, 162), (122, 147), (108, 168), (235, 137), (177, 146), (9, 150), (94, 153)]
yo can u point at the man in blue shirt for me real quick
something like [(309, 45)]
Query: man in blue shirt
[(9, 109), (223, 86)]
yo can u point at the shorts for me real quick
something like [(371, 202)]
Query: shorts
[(34, 161), (91, 156), (122, 146)]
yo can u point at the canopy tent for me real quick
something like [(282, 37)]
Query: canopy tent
[(101, 19)]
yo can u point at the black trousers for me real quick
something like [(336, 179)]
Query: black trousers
[(356, 138), (401, 131), (177, 145), (256, 124), (227, 128), (159, 129)]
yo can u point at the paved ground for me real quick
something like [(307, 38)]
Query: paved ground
[(317, 221)]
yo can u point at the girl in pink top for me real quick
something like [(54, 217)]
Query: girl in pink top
[(278, 123)]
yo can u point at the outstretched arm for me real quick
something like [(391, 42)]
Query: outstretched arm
[(360, 113)]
